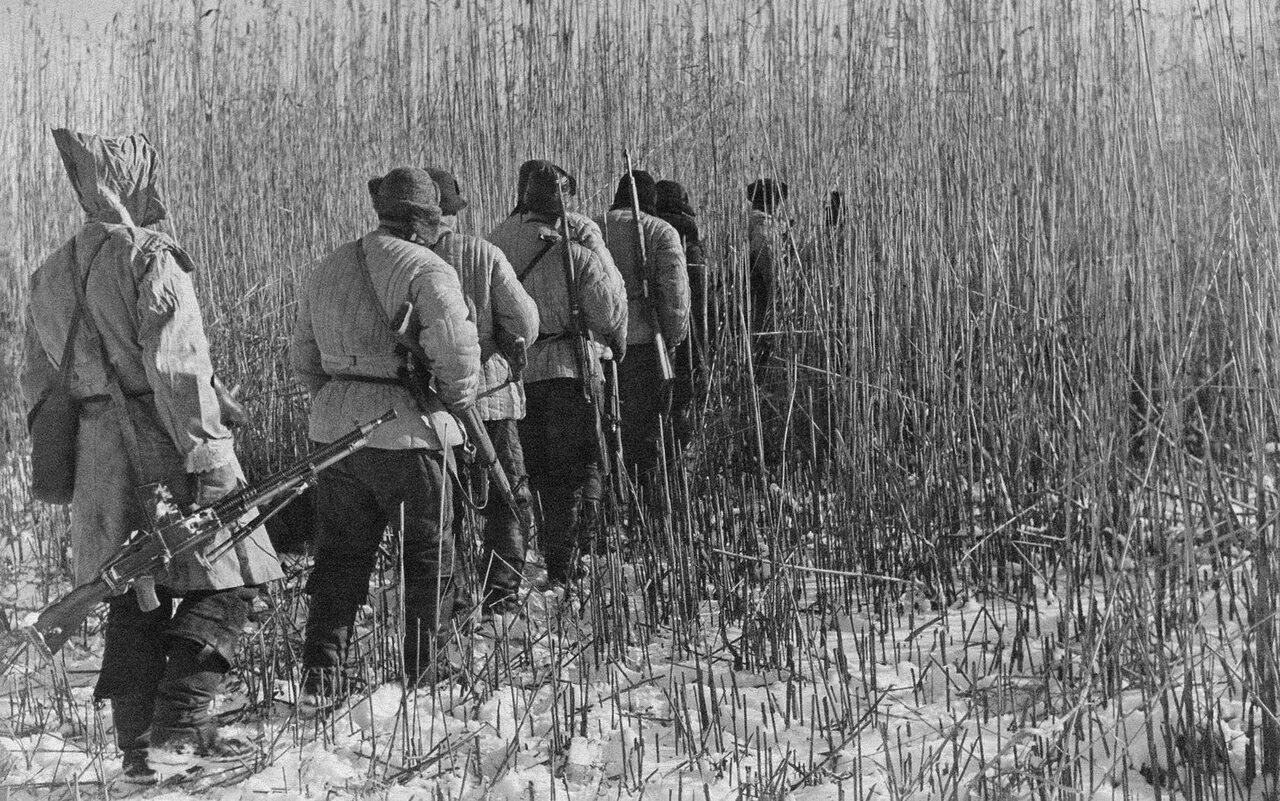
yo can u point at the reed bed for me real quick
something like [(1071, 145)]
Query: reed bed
[(997, 521)]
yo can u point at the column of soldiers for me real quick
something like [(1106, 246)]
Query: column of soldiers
[(499, 321), (501, 324)]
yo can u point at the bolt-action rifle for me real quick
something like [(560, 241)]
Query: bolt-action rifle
[(417, 379), (146, 553), (648, 300), (582, 350), (605, 406)]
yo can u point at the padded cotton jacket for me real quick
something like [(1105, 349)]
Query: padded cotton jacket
[(536, 251), (341, 334), (496, 300), (668, 275)]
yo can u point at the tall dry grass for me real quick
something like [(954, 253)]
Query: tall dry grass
[(1037, 361)]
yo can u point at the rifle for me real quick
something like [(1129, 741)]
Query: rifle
[(582, 342), (147, 552), (417, 379), (666, 373)]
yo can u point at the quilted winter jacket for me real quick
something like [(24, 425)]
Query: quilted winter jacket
[(765, 251), (582, 229), (668, 275), (603, 295), (496, 300), (339, 332)]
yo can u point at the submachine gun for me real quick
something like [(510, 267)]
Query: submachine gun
[(148, 552)]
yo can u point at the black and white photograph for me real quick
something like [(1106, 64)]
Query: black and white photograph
[(685, 400)]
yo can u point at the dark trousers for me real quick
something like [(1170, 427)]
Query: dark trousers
[(161, 669), (356, 499), (502, 548), (762, 338), (690, 356), (641, 393), (687, 390), (558, 433)]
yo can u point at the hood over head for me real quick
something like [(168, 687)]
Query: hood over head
[(116, 178), (646, 191)]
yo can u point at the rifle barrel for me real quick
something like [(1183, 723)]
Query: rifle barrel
[(275, 485), (665, 371)]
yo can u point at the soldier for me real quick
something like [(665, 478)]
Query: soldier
[(118, 304), (582, 229), (639, 379), (344, 350), (674, 208), (503, 313), (558, 433), (764, 240)]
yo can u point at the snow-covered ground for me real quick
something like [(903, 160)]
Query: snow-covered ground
[(989, 697)]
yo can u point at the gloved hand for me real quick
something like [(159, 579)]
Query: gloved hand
[(515, 349), (144, 589), (234, 414), (213, 485)]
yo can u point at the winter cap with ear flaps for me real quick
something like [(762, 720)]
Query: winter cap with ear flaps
[(542, 184), (673, 199), (116, 178), (569, 185), (406, 193), (451, 199), (646, 191)]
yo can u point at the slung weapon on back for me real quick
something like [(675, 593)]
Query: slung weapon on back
[(648, 299)]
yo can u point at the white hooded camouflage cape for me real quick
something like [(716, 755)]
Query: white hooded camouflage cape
[(140, 292)]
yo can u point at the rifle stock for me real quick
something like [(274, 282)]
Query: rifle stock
[(582, 351), (146, 553), (666, 371), (419, 383)]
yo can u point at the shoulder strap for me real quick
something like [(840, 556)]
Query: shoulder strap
[(113, 378), (363, 265), (69, 348), (546, 248)]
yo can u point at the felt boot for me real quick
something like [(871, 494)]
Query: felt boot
[(182, 722), (132, 716)]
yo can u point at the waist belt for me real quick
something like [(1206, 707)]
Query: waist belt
[(93, 400), (368, 379), (554, 337)]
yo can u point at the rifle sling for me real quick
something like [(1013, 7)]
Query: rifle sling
[(450, 465), (372, 290), (546, 248)]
